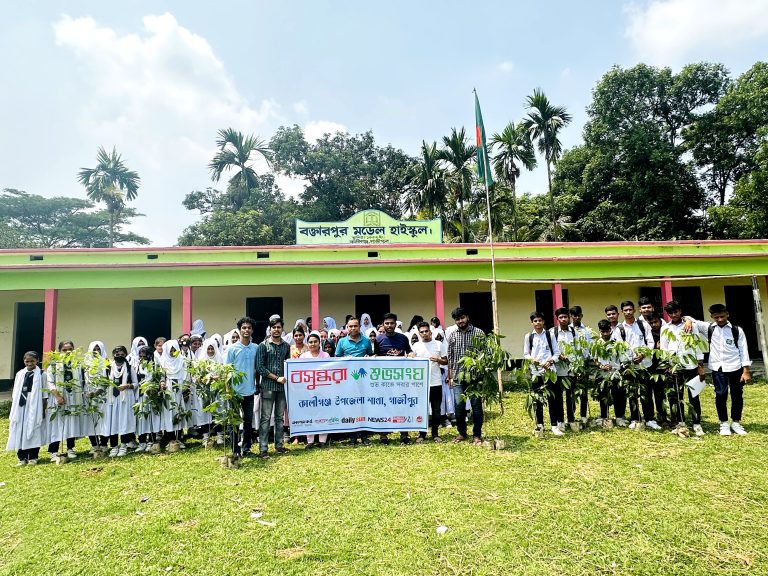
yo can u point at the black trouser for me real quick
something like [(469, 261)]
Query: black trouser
[(538, 385), (124, 438), (606, 391), (644, 391), (98, 441), (148, 438), (557, 399), (676, 399), (723, 381), (246, 407), (53, 447), (435, 403), (619, 395), (476, 404), (28, 454), (570, 401)]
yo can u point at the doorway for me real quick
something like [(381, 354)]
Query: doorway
[(260, 309), (28, 332), (545, 304), (741, 311), (152, 319), (689, 298), (375, 305), (480, 309)]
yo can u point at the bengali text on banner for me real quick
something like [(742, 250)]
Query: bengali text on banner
[(335, 395)]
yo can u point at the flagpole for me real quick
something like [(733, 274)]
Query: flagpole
[(494, 298)]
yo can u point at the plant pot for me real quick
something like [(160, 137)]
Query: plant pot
[(575, 426), (230, 461), (682, 431), (640, 427), (98, 454), (208, 444), (61, 459), (173, 446), (499, 444), (539, 433), (155, 448), (607, 423)]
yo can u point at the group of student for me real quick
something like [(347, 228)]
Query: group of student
[(550, 355), (48, 407)]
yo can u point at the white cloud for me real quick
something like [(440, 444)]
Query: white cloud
[(301, 107), (159, 97), (506, 66), (315, 129), (672, 32)]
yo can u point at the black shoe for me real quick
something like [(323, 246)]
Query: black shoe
[(263, 455), (247, 453), (309, 447), (405, 440), (353, 442), (385, 441), (366, 442), (281, 450)]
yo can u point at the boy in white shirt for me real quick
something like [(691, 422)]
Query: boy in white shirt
[(539, 348), (562, 334), (437, 352), (729, 362)]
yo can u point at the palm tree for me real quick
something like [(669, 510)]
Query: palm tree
[(459, 154), (112, 183), (543, 125), (427, 183), (514, 150), (234, 153)]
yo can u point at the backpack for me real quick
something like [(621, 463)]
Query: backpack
[(557, 331), (549, 341), (735, 329), (623, 332)]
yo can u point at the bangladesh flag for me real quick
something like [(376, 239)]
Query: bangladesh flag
[(483, 166)]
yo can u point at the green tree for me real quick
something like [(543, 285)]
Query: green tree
[(112, 183), (428, 190), (458, 153), (724, 140), (33, 221), (543, 124), (344, 173), (514, 150), (262, 216), (236, 153)]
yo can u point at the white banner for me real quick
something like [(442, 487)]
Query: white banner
[(333, 395)]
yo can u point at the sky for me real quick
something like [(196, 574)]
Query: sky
[(157, 79)]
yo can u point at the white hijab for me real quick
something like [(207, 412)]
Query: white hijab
[(329, 323), (174, 367), (133, 358), (202, 352), (99, 364), (365, 324), (228, 340)]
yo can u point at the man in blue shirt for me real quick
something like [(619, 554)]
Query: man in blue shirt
[(355, 345), (392, 343), (242, 355)]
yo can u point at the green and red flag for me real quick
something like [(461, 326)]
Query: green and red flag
[(483, 166)]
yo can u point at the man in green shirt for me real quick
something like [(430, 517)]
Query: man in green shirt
[(270, 360)]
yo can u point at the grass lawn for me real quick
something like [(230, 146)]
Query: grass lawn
[(597, 502)]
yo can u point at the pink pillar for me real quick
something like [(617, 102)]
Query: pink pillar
[(666, 295), (49, 319), (440, 300), (314, 296), (557, 298), (186, 309)]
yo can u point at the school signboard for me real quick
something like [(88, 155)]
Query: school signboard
[(334, 395), (370, 227)]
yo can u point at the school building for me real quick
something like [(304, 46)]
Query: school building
[(115, 294)]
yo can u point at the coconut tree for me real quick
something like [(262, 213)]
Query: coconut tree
[(543, 124), (514, 150), (427, 180), (458, 154), (112, 183), (237, 152)]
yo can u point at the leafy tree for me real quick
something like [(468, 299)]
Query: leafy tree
[(112, 183), (458, 154), (543, 124), (514, 151), (236, 153), (34, 221), (344, 173), (724, 140), (262, 216)]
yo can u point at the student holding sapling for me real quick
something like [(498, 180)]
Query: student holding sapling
[(729, 362), (151, 397), (539, 352), (564, 337), (26, 431), (65, 400), (119, 423), (608, 386), (96, 364)]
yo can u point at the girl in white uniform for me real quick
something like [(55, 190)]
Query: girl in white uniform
[(27, 423)]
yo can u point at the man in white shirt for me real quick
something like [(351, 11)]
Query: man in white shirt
[(539, 349), (692, 360), (729, 362), (564, 335), (637, 336), (583, 338), (437, 352)]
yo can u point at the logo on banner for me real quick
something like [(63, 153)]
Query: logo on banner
[(361, 373)]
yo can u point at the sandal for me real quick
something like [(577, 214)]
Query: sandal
[(459, 439)]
